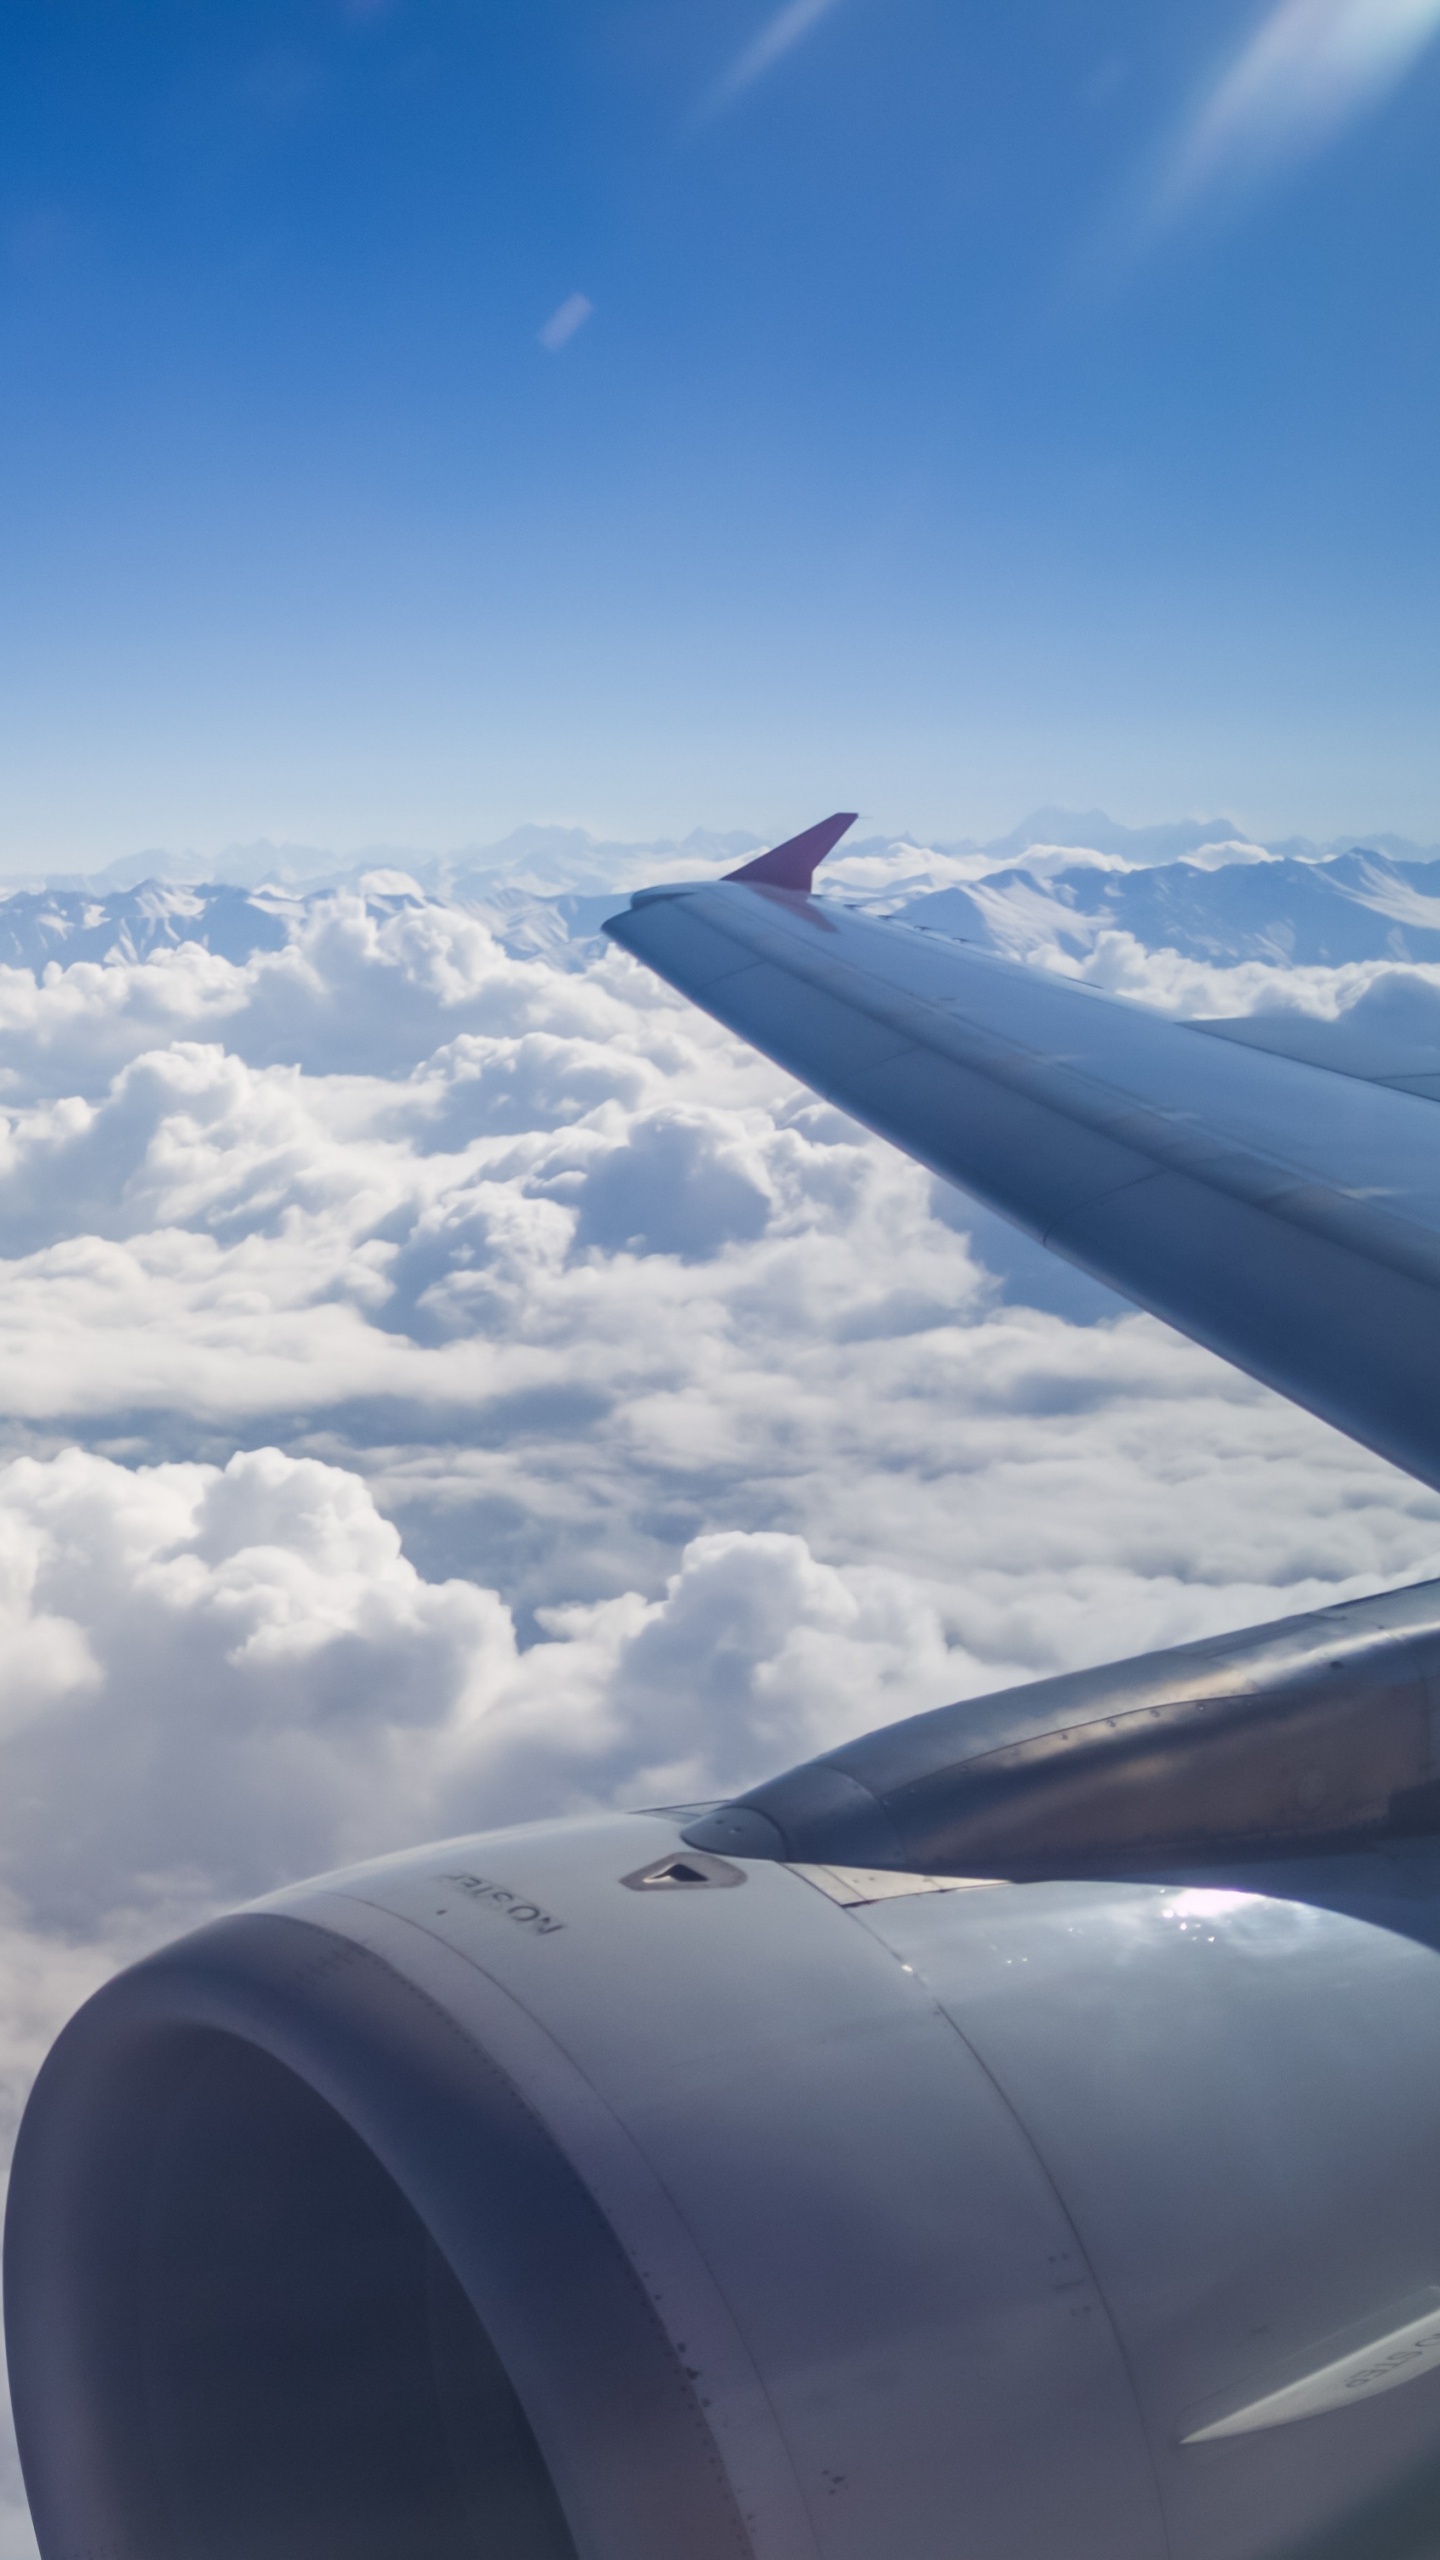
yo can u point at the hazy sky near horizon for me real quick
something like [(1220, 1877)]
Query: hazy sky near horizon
[(417, 417)]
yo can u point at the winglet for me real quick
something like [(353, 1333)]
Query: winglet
[(793, 865)]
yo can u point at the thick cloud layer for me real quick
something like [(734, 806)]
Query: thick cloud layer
[(442, 1386)]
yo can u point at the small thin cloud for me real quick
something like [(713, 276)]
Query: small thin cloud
[(561, 326), (1309, 68), (777, 37)]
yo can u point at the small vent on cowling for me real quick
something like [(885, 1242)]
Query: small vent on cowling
[(683, 1872)]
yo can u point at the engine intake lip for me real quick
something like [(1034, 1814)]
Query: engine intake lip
[(620, 2457)]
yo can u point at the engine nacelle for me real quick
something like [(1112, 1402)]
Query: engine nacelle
[(571, 2194)]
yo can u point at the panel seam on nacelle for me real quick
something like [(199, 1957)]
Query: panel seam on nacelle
[(858, 1916), (620, 2132)]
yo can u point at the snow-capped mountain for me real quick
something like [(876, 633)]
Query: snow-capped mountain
[(1347, 906), (1053, 889)]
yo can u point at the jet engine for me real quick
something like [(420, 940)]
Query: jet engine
[(668, 2186)]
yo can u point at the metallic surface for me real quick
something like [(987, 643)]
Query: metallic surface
[(1380, 2363), (1286, 1216), (936, 2221), (1309, 1732), (793, 865)]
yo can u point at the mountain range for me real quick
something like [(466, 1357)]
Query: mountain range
[(1053, 887)]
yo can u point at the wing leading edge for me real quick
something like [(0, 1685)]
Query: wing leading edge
[(1285, 1216)]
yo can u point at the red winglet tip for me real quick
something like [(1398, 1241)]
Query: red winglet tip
[(793, 865)]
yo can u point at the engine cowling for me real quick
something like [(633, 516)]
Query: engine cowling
[(573, 2194)]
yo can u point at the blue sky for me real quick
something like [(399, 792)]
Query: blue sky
[(975, 408)]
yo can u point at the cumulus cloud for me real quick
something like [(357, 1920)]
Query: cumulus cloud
[(442, 1387), (1177, 983), (222, 1676), (563, 1273)]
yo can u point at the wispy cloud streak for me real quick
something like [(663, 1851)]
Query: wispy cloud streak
[(561, 326), (777, 37), (1308, 69)]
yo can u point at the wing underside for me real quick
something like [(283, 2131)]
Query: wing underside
[(1285, 1215)]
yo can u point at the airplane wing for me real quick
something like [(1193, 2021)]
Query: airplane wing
[(1283, 1213)]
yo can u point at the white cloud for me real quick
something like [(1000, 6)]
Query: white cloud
[(615, 1423), (563, 322), (1308, 68), (230, 1675), (780, 34), (1175, 982), (1226, 854), (225, 1676)]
